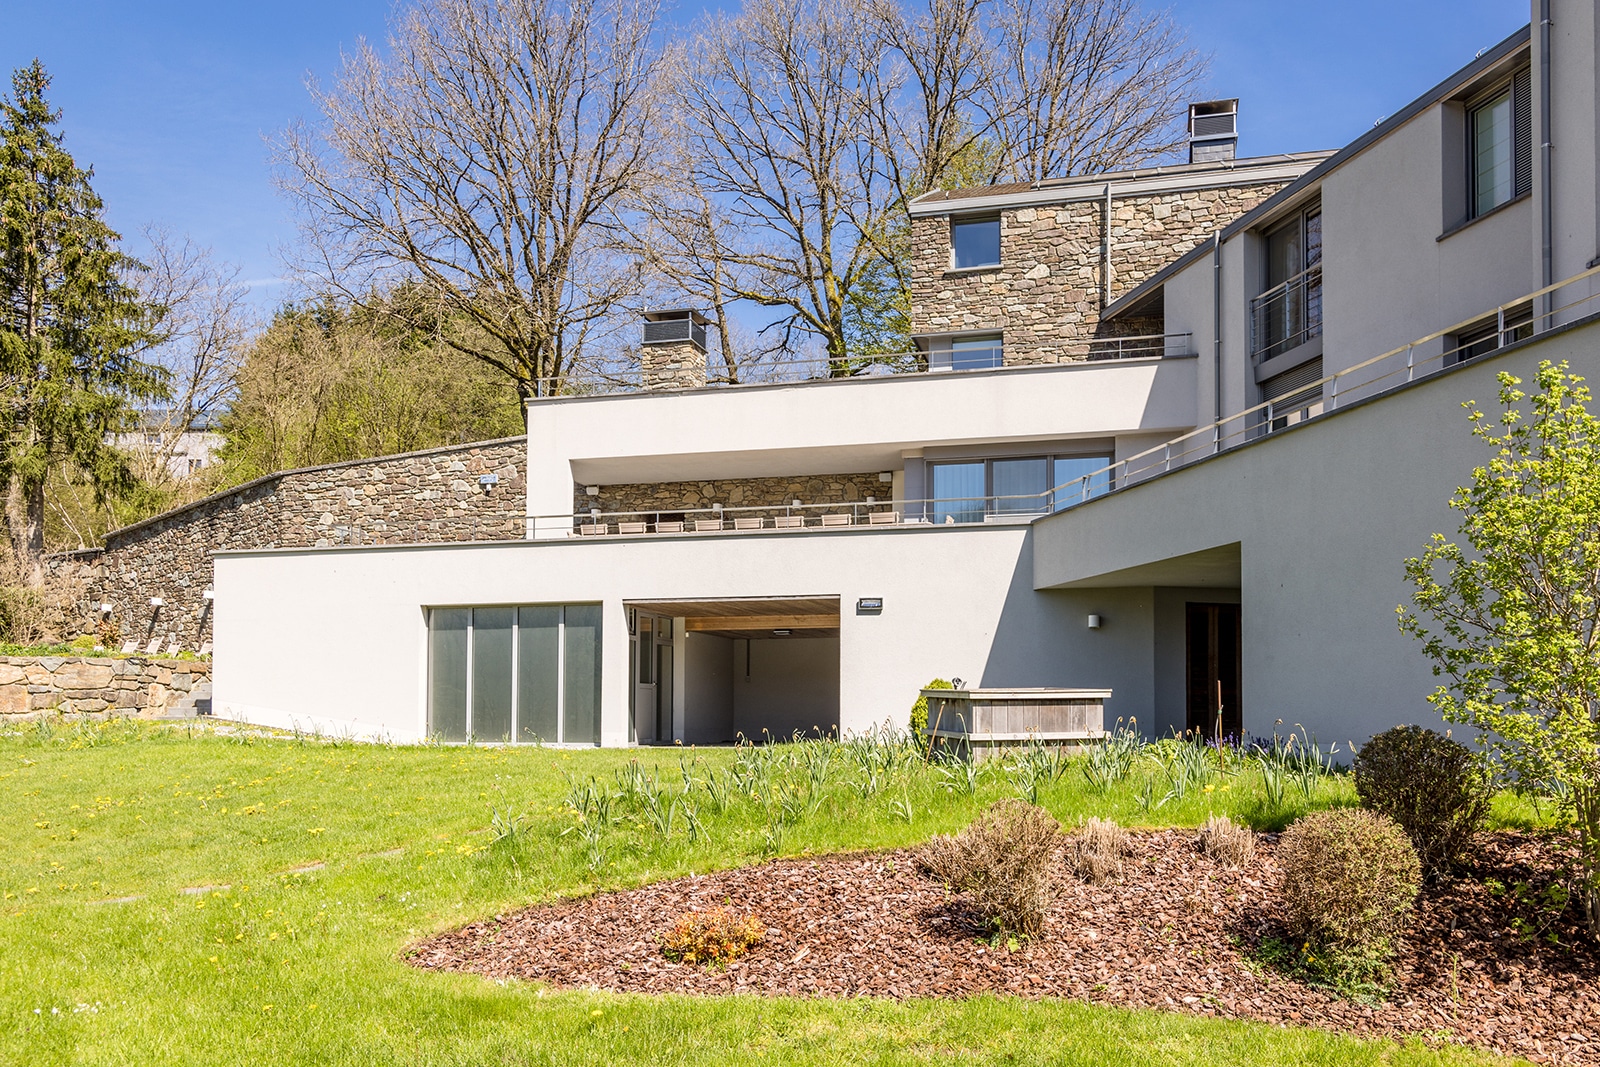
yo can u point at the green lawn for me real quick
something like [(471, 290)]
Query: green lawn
[(275, 964)]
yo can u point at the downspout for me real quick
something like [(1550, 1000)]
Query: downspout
[(1216, 327), (1105, 254), (1546, 214)]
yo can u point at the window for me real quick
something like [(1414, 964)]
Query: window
[(1288, 313), (975, 243), (969, 353), (1482, 339), (1500, 140), (973, 490), (525, 674)]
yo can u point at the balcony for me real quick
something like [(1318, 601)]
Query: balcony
[(1286, 316)]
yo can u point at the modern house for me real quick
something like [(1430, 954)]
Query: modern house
[(1169, 433)]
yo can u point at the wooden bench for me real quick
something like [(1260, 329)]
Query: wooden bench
[(790, 522), (884, 518), (836, 520), (708, 525), (749, 522), (633, 527)]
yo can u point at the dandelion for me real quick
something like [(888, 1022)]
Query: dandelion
[(596, 1013)]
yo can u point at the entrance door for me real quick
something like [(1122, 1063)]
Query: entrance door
[(1214, 670), (644, 680)]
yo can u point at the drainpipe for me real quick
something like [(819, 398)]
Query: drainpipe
[(1216, 325), (1546, 215), (1105, 254)]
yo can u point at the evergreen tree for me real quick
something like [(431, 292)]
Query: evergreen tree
[(71, 327)]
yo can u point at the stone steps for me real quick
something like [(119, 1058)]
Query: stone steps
[(196, 702)]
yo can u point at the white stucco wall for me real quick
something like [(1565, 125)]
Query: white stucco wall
[(835, 427), (1325, 515), (336, 637)]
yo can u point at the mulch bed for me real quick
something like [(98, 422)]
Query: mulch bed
[(1176, 933)]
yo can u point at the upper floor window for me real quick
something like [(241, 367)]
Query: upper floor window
[(968, 353), (1500, 138), (1288, 313), (975, 242), (978, 489)]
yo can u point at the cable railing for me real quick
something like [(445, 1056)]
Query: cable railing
[(1370, 378), (1287, 315), (942, 360)]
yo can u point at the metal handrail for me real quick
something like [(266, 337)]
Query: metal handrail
[(1290, 301), (869, 365)]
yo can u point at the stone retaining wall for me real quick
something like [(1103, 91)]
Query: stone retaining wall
[(653, 497), (434, 495), (32, 686), (1045, 297)]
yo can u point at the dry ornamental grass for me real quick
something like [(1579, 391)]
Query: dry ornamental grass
[(1097, 849), (1226, 842)]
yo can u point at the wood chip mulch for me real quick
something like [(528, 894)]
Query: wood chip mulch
[(1177, 932)]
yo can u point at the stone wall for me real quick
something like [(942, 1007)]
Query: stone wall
[(32, 686), (1045, 297), (733, 492), (434, 495)]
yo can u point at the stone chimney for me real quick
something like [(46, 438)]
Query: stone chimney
[(674, 349), (1213, 130)]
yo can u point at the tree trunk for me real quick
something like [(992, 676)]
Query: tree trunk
[(25, 524)]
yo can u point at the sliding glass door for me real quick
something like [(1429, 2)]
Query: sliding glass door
[(515, 674)]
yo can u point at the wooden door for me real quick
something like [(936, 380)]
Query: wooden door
[(1214, 670)]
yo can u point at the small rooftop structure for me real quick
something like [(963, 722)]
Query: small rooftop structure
[(674, 326), (1213, 130)]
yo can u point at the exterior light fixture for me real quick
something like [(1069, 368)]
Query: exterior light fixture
[(1095, 622), (488, 481), (872, 499), (107, 609), (782, 633), (591, 490), (157, 602), (869, 605), (797, 504), (886, 476), (209, 594)]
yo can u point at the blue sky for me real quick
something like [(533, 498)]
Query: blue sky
[(170, 100)]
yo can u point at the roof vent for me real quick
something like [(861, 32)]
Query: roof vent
[(1213, 130)]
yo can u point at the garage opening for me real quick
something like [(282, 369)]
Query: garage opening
[(708, 672)]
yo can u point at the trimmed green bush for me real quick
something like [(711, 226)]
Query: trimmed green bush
[(1350, 878), (1435, 788), (919, 710)]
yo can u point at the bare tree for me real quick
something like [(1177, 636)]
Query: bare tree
[(206, 331), (810, 125), (486, 158), (1084, 86)]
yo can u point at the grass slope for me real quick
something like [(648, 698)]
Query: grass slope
[(283, 961)]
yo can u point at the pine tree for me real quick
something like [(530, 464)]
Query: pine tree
[(71, 327)]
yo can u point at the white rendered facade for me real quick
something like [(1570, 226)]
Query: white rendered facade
[(1297, 535)]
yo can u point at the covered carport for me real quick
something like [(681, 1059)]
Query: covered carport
[(708, 671)]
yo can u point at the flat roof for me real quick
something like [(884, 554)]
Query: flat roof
[(1145, 181)]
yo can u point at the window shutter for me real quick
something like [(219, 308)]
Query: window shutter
[(1293, 388), (1522, 131)]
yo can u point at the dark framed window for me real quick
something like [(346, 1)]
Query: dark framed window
[(975, 242), (1288, 313), (526, 674), (1491, 334), (1500, 144), (973, 490)]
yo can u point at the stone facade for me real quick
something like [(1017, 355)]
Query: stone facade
[(33, 686), (435, 495), (1045, 297), (769, 493)]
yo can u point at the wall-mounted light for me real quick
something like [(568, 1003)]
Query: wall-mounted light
[(869, 605), (716, 507), (209, 594), (157, 602), (1095, 622), (488, 481), (107, 609), (872, 499), (591, 490), (782, 633), (886, 476), (796, 503)]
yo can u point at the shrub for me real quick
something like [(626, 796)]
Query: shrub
[(1349, 879), (715, 937), (1226, 842), (1435, 788), (1002, 862), (1095, 851), (919, 710)]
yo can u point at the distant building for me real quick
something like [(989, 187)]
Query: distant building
[(189, 449)]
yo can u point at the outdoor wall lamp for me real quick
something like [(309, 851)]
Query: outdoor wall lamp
[(487, 482), (1095, 622), (591, 490), (157, 602), (107, 609), (209, 594)]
